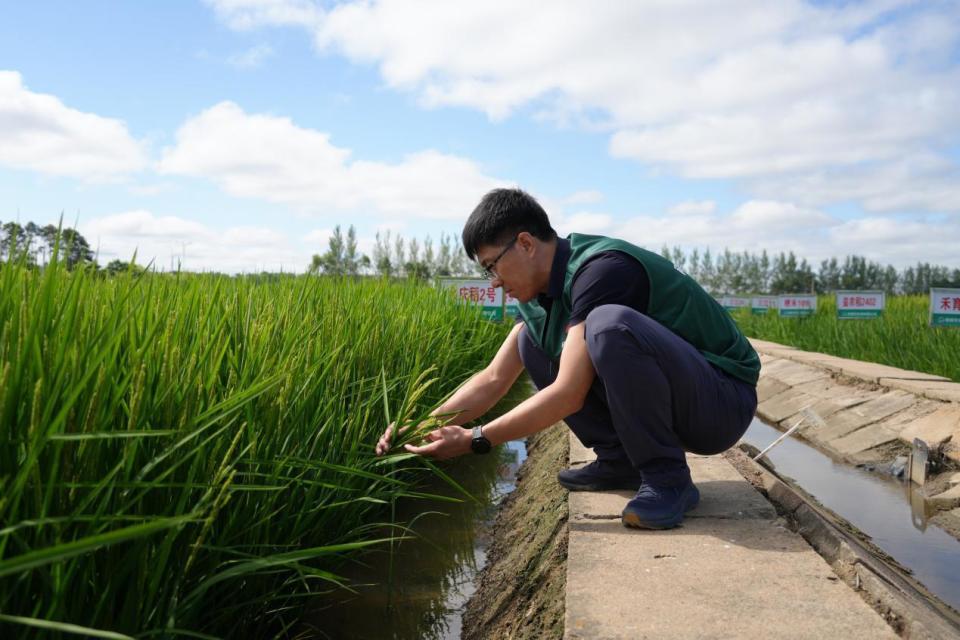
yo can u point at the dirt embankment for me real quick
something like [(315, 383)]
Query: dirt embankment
[(521, 590)]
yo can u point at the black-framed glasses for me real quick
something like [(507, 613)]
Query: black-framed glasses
[(487, 270)]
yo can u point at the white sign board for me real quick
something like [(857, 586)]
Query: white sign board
[(945, 307), (478, 292), (760, 305), (732, 303), (797, 306), (860, 304)]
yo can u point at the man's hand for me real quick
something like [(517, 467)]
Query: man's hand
[(383, 444), (443, 443)]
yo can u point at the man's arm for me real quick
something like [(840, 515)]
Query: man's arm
[(478, 394), (551, 404)]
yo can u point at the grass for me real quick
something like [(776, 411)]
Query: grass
[(902, 337), (191, 455)]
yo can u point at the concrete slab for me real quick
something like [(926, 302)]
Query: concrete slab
[(863, 439), (731, 571), (882, 432), (872, 372), (952, 449), (784, 404), (832, 397), (769, 387), (763, 345), (933, 389), (942, 424), (579, 454), (849, 420), (794, 373), (766, 359), (821, 360), (949, 499), (723, 494), (781, 352)]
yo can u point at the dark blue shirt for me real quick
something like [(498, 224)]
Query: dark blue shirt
[(609, 277)]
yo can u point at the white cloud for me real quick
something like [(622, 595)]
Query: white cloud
[(745, 89), (271, 158), (252, 58), (768, 215), (42, 134), (143, 224), (898, 242), (918, 182), (581, 222), (318, 237), (692, 208), (584, 197), (249, 14), (169, 241)]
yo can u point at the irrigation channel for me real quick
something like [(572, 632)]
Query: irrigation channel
[(878, 505), (420, 587)]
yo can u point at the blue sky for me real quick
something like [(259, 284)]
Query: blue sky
[(239, 132)]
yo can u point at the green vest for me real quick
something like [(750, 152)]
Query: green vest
[(676, 301)]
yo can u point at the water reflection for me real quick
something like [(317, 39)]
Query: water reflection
[(894, 516), (420, 587)]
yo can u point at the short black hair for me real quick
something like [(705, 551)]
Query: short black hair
[(500, 216)]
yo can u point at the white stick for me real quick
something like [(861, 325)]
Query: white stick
[(780, 439)]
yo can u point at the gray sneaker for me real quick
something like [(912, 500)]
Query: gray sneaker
[(601, 475)]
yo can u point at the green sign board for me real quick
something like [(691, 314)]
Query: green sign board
[(945, 307), (853, 305), (478, 292)]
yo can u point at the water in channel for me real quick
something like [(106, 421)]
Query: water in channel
[(420, 588), (877, 505)]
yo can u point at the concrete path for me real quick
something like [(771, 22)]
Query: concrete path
[(731, 571)]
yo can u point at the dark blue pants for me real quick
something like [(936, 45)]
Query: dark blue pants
[(655, 396)]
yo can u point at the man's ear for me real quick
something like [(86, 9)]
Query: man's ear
[(526, 242)]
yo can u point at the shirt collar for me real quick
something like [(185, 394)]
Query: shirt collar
[(558, 270)]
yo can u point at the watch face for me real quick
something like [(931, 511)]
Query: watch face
[(480, 445)]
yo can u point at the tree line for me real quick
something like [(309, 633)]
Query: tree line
[(34, 245), (393, 256), (726, 272), (745, 272)]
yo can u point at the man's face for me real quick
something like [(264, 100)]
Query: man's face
[(510, 266)]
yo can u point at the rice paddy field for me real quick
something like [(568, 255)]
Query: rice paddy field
[(901, 337), (188, 455)]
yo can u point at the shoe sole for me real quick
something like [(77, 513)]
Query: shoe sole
[(632, 486), (634, 521)]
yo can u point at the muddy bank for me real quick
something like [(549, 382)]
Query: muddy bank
[(520, 593)]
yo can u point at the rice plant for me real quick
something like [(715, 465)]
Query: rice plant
[(189, 454), (901, 337)]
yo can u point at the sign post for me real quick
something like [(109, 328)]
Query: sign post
[(945, 307), (797, 306), (860, 304), (511, 307), (478, 292)]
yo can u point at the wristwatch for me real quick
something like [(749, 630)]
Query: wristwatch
[(479, 444)]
